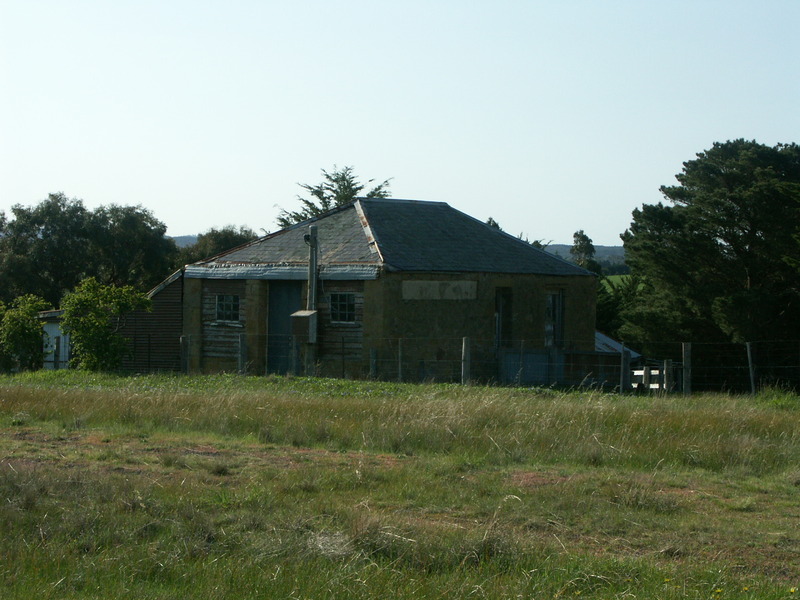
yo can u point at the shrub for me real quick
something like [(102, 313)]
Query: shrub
[(93, 316), (21, 334)]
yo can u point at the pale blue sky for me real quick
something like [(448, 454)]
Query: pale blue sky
[(548, 116)]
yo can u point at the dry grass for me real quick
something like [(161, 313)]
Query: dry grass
[(271, 488)]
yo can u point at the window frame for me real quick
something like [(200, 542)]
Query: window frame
[(228, 306), (342, 304)]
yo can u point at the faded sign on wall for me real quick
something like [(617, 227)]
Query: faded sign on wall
[(440, 290)]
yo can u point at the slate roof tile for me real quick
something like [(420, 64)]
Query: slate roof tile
[(409, 235)]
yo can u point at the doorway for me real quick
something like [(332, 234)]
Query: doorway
[(285, 298)]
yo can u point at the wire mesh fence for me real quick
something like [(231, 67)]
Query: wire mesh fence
[(734, 367), (668, 366), (674, 366)]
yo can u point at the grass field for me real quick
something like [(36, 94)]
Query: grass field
[(234, 487)]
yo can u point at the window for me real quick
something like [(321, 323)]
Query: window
[(227, 307), (554, 320), (343, 308)]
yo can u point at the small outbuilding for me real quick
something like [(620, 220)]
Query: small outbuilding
[(55, 342)]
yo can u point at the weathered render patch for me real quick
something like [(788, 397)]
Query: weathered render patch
[(440, 290)]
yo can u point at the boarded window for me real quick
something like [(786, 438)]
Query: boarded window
[(227, 307), (343, 307)]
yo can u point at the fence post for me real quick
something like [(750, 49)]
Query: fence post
[(625, 370), (752, 368), (400, 359), (373, 363), (687, 368), (294, 362), (465, 361), (184, 354), (341, 340), (56, 352), (666, 377), (647, 373), (242, 354)]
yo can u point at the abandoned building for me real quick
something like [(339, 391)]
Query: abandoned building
[(395, 288)]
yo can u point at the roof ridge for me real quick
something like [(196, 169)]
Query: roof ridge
[(401, 201), (372, 241)]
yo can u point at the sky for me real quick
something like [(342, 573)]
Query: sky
[(548, 116)]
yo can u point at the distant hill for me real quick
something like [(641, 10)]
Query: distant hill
[(609, 254), (610, 258), (184, 240)]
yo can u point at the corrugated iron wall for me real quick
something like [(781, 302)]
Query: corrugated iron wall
[(155, 337)]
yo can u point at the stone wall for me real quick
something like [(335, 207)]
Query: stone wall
[(407, 325)]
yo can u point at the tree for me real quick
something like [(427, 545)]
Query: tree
[(583, 251), (215, 241), (21, 339), (535, 243), (93, 315), (717, 264), (614, 297), (6, 360), (131, 247), (47, 249), (339, 187)]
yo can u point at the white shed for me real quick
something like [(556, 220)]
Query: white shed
[(55, 342)]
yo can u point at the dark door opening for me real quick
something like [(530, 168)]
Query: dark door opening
[(285, 298)]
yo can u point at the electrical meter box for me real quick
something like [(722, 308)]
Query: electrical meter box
[(304, 326)]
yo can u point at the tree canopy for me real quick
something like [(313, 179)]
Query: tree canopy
[(583, 252), (45, 250), (719, 263), (338, 187), (131, 246), (214, 241), (48, 248), (535, 243)]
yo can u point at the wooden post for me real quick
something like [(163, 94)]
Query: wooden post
[(184, 354), (373, 363), (625, 370), (56, 352), (666, 377), (647, 373), (400, 359), (242, 354), (342, 346), (752, 368), (465, 361), (687, 368)]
